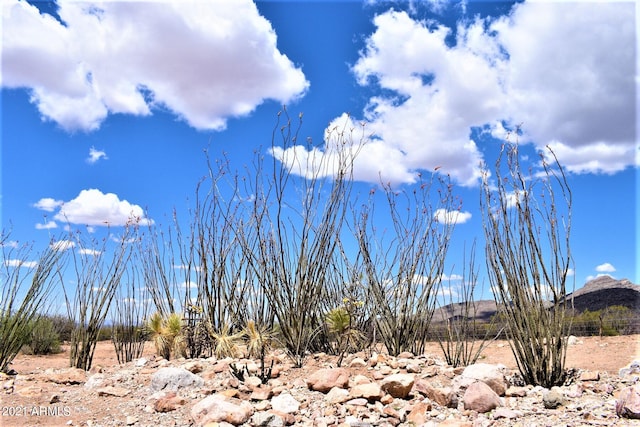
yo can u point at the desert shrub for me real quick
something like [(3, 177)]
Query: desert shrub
[(402, 265), (610, 321), (292, 245), (23, 295), (166, 334), (43, 338), (342, 328), (226, 342), (63, 326), (526, 222), (462, 337)]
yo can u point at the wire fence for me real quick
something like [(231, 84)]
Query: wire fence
[(628, 324)]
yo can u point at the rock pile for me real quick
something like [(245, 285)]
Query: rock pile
[(369, 390)]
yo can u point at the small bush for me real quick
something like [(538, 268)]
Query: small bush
[(610, 321), (43, 338), (63, 326)]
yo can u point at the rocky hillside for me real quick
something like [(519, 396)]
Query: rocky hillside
[(599, 293), (605, 291)]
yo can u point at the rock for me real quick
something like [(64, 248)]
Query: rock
[(491, 375), (589, 376), (457, 423), (169, 402), (194, 366), (95, 380), (219, 408), (174, 379), (632, 368), (443, 396), (289, 419), (267, 419), (572, 340), (30, 391), (141, 362), (325, 379), (628, 402), (261, 393), (357, 362), (398, 385), (516, 392), (67, 376), (285, 403), (358, 401), (553, 398), (359, 379), (112, 391), (337, 395), (481, 398), (506, 413), (370, 391), (253, 382), (414, 368), (418, 415)]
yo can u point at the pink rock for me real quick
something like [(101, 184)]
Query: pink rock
[(418, 414), (113, 391), (492, 375), (67, 376), (481, 398), (217, 408), (325, 379), (628, 402), (371, 391), (398, 385), (443, 396), (169, 403), (261, 393)]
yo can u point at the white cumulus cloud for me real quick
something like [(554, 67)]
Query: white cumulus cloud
[(565, 70), (605, 268), (95, 155), (204, 61), (451, 217), (92, 207), (48, 204), (63, 245), (20, 263), (47, 225)]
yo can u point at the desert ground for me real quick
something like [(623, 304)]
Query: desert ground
[(32, 389)]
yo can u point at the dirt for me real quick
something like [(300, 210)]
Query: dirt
[(606, 354), (593, 353)]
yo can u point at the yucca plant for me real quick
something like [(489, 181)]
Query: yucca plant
[(257, 338), (225, 342), (339, 322), (166, 334)]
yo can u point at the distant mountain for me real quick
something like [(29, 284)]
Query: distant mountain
[(596, 294), (605, 291)]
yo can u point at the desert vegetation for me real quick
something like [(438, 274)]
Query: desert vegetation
[(285, 254)]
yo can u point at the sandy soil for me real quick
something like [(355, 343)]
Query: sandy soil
[(593, 353)]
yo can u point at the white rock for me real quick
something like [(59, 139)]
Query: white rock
[(285, 403), (174, 379)]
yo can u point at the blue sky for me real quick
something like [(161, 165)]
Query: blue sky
[(107, 107)]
